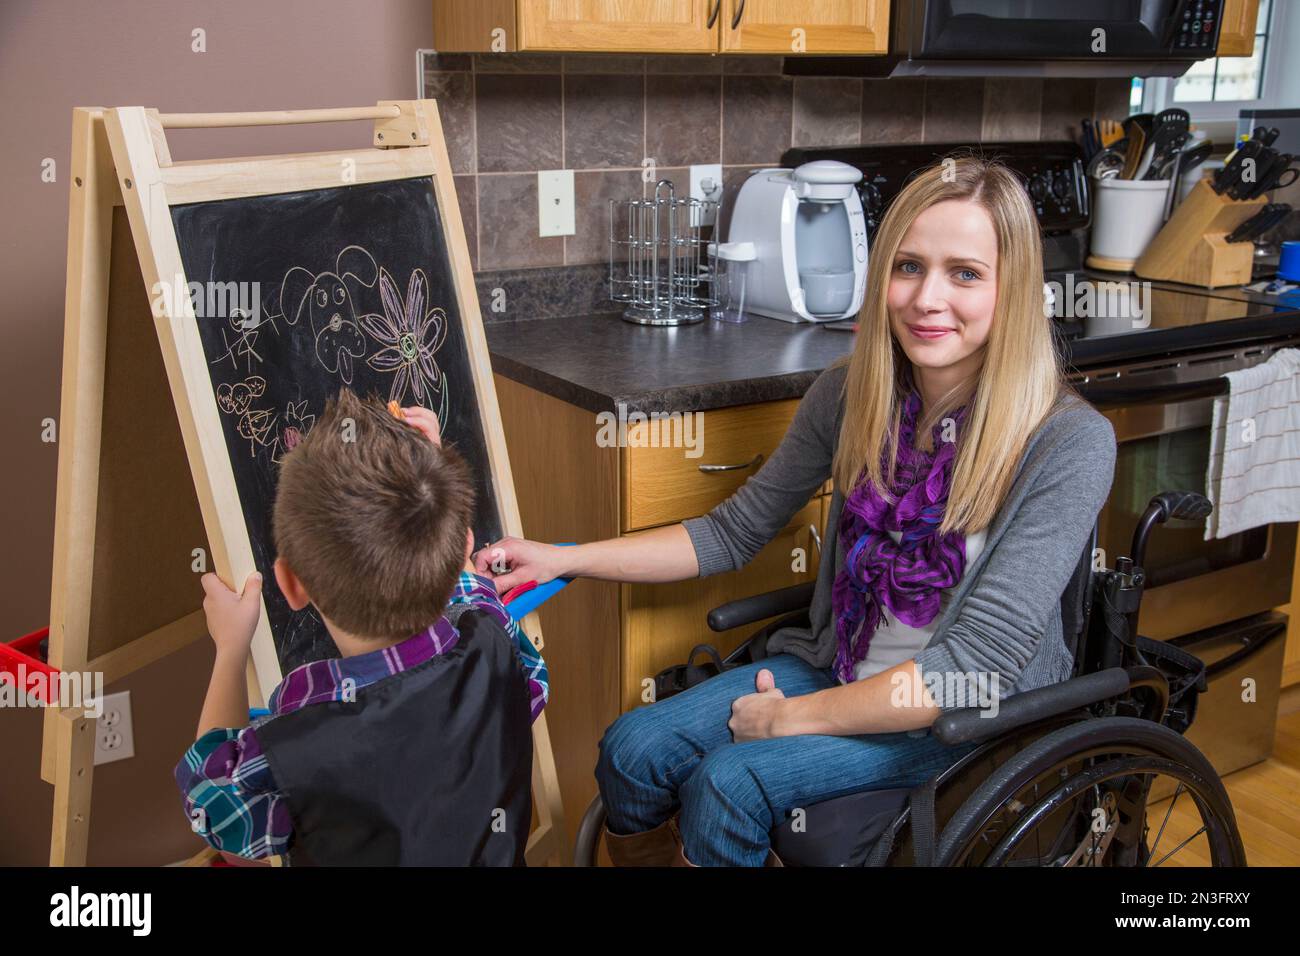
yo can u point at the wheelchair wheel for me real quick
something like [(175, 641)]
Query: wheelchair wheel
[(1080, 796)]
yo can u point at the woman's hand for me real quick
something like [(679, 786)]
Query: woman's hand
[(758, 716), (514, 561)]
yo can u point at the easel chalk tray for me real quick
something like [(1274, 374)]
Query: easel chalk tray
[(270, 283)]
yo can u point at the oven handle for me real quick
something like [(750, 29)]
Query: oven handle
[(1113, 396)]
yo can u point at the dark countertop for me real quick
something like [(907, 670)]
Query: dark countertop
[(597, 362)]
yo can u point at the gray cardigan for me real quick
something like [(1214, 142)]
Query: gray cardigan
[(1003, 618)]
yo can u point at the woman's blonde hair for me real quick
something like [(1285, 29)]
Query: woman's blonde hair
[(1019, 379)]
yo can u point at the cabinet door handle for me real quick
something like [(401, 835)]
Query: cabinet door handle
[(713, 17), (740, 12), (749, 464), (816, 536)]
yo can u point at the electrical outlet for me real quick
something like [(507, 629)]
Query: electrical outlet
[(706, 183), (114, 737), (555, 202)]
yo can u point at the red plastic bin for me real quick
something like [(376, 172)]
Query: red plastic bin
[(26, 651)]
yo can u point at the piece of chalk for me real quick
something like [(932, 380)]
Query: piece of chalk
[(516, 591), (396, 411)]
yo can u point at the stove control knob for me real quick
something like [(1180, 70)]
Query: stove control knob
[(1061, 186), (869, 193)]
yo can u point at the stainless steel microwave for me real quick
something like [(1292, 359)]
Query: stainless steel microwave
[(1037, 37)]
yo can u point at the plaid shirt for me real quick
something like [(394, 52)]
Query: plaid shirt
[(230, 796)]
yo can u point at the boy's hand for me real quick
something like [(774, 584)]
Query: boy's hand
[(425, 421), (232, 618)]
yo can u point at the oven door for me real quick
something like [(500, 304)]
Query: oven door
[(1056, 29), (1162, 428)]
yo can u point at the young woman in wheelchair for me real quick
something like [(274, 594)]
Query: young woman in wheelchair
[(967, 478)]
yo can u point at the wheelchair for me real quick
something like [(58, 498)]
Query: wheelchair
[(1062, 775)]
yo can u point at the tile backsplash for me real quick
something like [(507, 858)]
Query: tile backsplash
[(507, 116)]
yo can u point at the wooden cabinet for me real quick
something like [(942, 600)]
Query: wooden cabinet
[(785, 27), (1237, 32), (678, 26), (662, 483), (663, 622), (1291, 658), (603, 638), (793, 27)]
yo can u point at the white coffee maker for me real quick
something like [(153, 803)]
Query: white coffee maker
[(810, 238)]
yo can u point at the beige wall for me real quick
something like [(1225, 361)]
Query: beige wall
[(55, 55)]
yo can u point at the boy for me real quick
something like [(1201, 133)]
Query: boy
[(414, 747)]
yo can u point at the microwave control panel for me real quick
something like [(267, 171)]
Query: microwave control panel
[(1195, 27)]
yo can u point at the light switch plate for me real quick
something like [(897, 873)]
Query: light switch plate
[(555, 202)]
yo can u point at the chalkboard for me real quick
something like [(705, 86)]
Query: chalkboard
[(299, 294)]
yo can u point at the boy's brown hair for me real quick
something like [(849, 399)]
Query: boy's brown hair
[(372, 517)]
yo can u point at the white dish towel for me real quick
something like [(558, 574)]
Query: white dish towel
[(1254, 469)]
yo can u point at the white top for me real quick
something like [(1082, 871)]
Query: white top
[(895, 642)]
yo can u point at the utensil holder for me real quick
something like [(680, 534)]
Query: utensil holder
[(1193, 248), (1126, 217)]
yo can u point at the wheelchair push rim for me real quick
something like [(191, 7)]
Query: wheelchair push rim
[(1081, 797)]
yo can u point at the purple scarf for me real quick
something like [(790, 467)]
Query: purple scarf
[(905, 576)]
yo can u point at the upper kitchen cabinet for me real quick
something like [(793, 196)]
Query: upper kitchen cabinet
[(1237, 31), (619, 26), (786, 27), (791, 27)]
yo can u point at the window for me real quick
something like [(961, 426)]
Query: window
[(1215, 90), (1228, 78)]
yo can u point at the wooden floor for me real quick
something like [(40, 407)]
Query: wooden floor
[(1265, 799)]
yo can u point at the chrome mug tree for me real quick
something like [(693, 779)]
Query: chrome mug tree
[(656, 257)]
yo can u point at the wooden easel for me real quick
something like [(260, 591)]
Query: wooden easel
[(143, 483)]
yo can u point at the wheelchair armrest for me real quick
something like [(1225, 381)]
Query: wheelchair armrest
[(750, 609), (970, 724)]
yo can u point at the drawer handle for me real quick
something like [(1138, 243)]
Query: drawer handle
[(816, 536), (713, 17), (749, 464)]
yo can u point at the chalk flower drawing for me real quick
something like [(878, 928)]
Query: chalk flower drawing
[(294, 428), (412, 335)]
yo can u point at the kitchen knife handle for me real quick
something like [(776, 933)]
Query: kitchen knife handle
[(1245, 229)]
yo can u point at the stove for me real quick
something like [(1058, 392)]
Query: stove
[(1100, 317), (1052, 172)]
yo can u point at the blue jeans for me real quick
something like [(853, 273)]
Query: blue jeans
[(679, 753)]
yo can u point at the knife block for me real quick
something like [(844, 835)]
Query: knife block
[(1192, 246)]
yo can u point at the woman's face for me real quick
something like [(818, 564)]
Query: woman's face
[(943, 286)]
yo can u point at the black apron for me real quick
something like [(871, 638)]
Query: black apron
[(428, 767)]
